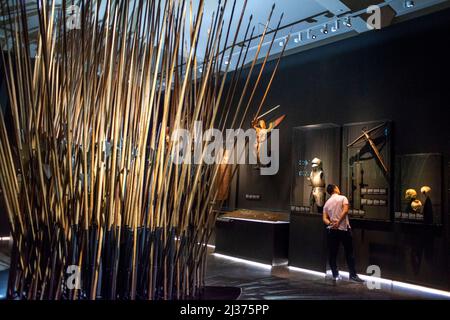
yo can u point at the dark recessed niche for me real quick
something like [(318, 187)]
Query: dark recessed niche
[(366, 168), (308, 143), (418, 188)]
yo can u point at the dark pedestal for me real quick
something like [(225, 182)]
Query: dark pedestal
[(307, 242), (406, 252), (259, 241)]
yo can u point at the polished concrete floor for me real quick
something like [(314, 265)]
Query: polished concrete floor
[(281, 283)]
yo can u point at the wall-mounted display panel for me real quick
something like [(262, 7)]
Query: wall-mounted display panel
[(316, 163), (418, 181), (366, 169)]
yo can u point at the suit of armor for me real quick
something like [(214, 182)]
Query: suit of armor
[(317, 181)]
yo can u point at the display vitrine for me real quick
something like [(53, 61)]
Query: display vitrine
[(418, 188), (366, 169), (316, 163)]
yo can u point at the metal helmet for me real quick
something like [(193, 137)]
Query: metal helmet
[(316, 163), (416, 206), (410, 194), (425, 190)]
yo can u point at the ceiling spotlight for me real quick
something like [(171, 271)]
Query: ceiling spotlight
[(348, 22), (282, 42), (324, 30), (226, 62), (314, 36), (298, 38), (409, 4), (335, 26), (200, 70)]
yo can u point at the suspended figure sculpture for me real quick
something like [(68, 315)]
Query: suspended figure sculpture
[(262, 133)]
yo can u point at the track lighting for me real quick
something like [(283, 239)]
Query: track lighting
[(298, 38), (335, 26), (348, 22), (409, 4)]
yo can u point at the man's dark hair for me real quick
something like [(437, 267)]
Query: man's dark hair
[(330, 189)]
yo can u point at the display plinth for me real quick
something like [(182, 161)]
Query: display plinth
[(307, 242), (256, 240)]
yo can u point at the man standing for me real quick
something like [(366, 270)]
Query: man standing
[(335, 216)]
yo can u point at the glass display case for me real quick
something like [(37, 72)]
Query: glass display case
[(316, 163), (366, 169), (418, 188)]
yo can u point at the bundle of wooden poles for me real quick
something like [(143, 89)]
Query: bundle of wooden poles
[(86, 170)]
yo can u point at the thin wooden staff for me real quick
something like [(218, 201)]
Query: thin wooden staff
[(191, 199), (258, 79), (88, 185), (243, 117)]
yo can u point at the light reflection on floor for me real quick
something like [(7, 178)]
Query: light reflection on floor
[(281, 283)]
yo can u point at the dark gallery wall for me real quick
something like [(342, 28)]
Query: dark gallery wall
[(399, 73)]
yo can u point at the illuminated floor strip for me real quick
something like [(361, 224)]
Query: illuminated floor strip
[(5, 239), (391, 283), (315, 273), (255, 264), (420, 288), (252, 220)]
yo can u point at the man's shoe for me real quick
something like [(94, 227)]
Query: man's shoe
[(357, 279), (336, 278)]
